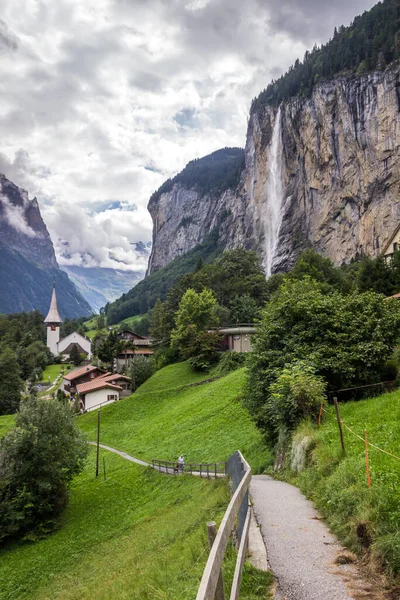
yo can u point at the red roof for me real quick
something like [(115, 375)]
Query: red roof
[(81, 371), (394, 296), (96, 384)]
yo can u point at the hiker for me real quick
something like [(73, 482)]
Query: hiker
[(181, 462)]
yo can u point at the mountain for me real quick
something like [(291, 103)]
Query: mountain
[(28, 265), (99, 286), (321, 162)]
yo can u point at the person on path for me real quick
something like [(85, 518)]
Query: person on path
[(181, 462)]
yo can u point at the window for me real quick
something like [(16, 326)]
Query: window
[(112, 397)]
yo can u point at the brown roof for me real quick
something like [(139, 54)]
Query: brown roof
[(96, 384), (395, 296), (113, 377), (80, 371)]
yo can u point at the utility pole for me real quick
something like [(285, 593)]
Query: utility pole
[(98, 443)]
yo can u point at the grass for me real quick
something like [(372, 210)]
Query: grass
[(53, 371), (141, 534), (6, 422), (363, 518), (206, 423)]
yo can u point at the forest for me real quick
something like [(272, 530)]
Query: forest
[(370, 42)]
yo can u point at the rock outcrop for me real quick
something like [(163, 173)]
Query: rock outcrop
[(28, 265), (340, 174)]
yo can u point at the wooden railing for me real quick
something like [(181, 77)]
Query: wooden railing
[(202, 469), (211, 586)]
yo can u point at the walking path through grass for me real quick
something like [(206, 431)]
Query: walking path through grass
[(304, 555)]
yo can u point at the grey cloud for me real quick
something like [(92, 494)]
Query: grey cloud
[(8, 41), (313, 20)]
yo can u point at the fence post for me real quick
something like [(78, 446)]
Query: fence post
[(104, 468), (215, 469), (208, 471), (98, 443), (340, 425), (367, 458), (212, 533)]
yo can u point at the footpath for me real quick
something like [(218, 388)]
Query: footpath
[(303, 554), (305, 557)]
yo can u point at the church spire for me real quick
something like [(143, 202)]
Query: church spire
[(53, 314)]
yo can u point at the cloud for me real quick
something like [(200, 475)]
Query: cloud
[(15, 217), (105, 99)]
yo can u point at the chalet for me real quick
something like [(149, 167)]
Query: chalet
[(135, 345), (80, 375), (98, 392), (392, 245)]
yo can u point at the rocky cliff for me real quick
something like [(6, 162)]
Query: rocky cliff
[(28, 265), (337, 160)]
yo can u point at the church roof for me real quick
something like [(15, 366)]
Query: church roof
[(53, 315)]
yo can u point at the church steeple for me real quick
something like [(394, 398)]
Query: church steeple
[(53, 315)]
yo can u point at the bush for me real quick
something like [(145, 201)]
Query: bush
[(230, 361), (141, 370), (347, 338), (296, 394), (38, 459)]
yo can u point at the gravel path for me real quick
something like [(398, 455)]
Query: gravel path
[(301, 550)]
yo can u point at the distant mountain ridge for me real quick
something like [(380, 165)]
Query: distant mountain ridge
[(101, 285), (28, 265)]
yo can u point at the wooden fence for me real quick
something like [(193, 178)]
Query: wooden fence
[(203, 469), (211, 586)]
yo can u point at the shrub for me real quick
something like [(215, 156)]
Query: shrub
[(142, 368), (230, 361), (38, 459), (296, 394)]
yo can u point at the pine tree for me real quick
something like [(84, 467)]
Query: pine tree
[(10, 383)]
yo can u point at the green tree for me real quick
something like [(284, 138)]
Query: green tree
[(75, 356), (197, 313), (38, 459), (296, 394), (10, 382), (142, 368), (109, 348), (101, 322), (348, 338), (244, 309)]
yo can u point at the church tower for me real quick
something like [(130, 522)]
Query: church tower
[(53, 321)]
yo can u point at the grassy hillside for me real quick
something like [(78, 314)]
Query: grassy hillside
[(161, 420), (6, 422), (141, 534), (363, 518), (138, 534)]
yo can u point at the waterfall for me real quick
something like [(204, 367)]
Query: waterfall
[(272, 210)]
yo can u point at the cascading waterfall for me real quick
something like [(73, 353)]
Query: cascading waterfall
[(272, 210)]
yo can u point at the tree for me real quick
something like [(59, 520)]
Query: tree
[(141, 369), (347, 338), (10, 382), (197, 314), (101, 321), (75, 356), (38, 459), (110, 348)]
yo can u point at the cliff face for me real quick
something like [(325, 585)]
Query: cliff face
[(21, 225), (340, 168), (28, 265), (340, 173)]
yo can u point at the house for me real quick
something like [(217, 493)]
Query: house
[(122, 381), (125, 357), (98, 392), (238, 339), (63, 346), (135, 345), (392, 245), (80, 375)]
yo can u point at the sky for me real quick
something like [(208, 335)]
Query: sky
[(102, 100)]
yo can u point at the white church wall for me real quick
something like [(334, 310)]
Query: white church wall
[(53, 336), (76, 338)]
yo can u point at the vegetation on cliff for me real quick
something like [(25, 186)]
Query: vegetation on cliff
[(370, 42), (210, 175)]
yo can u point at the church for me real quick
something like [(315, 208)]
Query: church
[(63, 347)]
